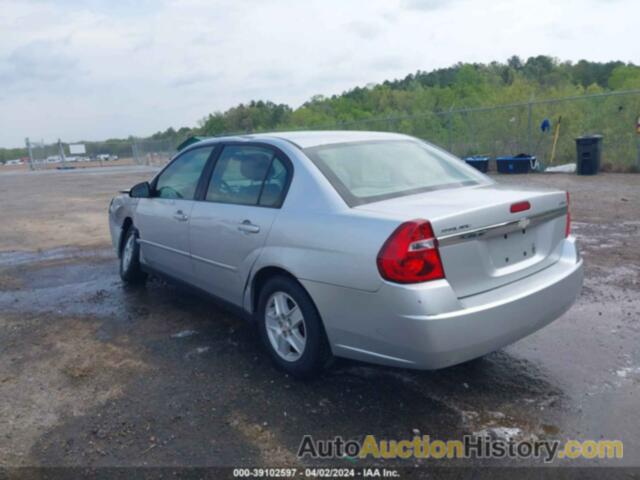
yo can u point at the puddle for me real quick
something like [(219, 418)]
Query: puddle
[(552, 384), (14, 258), (627, 371), (184, 333)]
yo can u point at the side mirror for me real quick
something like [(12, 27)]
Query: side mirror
[(141, 190)]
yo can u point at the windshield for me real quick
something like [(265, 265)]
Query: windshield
[(365, 172)]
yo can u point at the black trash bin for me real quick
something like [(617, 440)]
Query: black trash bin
[(589, 149)]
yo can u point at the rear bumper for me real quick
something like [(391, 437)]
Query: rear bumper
[(426, 327)]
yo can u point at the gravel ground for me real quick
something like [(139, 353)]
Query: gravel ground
[(96, 374)]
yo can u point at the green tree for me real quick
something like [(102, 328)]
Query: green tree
[(625, 77)]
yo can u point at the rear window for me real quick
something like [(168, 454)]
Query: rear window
[(364, 172)]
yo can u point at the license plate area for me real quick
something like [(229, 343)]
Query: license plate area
[(512, 248)]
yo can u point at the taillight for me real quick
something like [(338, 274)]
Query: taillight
[(410, 254), (567, 229)]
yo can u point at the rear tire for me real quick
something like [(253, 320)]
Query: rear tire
[(130, 269), (291, 329)]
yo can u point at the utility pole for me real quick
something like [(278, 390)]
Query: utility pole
[(530, 127), (638, 143), (450, 128), (28, 144), (61, 152)]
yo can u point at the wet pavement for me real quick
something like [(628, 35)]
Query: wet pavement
[(95, 373)]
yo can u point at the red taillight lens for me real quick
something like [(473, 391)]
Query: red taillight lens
[(567, 230), (520, 207), (410, 254)]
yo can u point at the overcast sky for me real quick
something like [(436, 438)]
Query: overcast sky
[(113, 68)]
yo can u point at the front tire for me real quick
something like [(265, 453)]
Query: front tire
[(130, 269), (291, 328)]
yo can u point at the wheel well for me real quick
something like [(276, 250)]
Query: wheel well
[(261, 278), (125, 227)]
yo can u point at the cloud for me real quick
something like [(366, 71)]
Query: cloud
[(426, 5), (121, 8), (388, 63), (364, 30), (37, 62), (193, 79), (107, 68)]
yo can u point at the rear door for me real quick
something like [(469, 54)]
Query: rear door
[(163, 219), (230, 226)]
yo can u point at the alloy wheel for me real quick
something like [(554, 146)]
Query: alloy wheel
[(127, 252), (286, 328)]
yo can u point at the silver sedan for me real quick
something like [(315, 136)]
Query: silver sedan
[(373, 246)]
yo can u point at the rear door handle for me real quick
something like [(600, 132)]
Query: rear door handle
[(180, 216), (248, 227)]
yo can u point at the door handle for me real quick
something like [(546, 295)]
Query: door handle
[(180, 216), (248, 227)]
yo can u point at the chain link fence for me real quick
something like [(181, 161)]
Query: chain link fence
[(508, 130), (153, 152), (503, 130), (39, 152), (58, 155)]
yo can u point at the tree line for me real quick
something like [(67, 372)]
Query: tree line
[(464, 85)]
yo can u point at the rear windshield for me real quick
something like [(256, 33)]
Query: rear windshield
[(364, 172)]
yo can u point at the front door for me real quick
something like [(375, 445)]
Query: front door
[(229, 228), (163, 220)]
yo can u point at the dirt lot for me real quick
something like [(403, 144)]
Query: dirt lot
[(40, 165), (96, 374), (49, 209)]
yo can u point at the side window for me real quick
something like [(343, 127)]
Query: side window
[(180, 179), (240, 173), (274, 184)]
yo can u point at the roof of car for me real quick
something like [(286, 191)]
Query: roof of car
[(308, 139)]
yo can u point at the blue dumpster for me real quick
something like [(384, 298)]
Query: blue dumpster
[(478, 162), (517, 164)]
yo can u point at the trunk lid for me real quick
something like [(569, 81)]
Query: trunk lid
[(482, 244)]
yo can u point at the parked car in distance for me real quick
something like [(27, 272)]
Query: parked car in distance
[(372, 246), (16, 161)]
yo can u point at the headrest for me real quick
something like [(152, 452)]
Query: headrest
[(254, 165)]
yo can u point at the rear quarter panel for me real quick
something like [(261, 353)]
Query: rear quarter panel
[(334, 248)]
